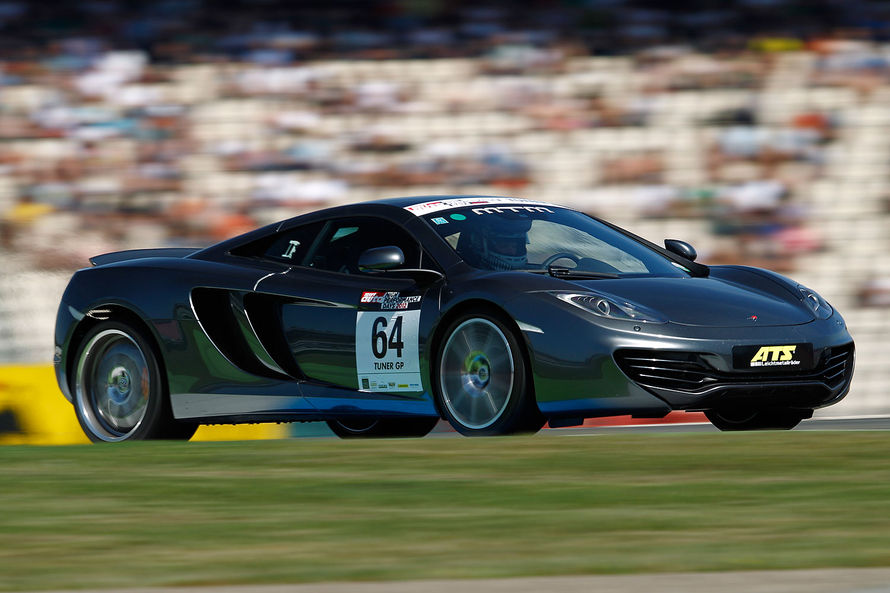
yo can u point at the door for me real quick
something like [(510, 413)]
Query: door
[(352, 330)]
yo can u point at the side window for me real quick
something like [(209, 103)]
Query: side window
[(293, 245), (290, 246), (347, 238)]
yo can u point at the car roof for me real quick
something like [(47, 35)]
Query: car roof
[(392, 208), (396, 209), (405, 201)]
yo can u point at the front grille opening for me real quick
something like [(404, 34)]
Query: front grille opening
[(691, 372), (668, 370)]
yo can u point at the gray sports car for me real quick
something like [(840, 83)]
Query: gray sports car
[(496, 314)]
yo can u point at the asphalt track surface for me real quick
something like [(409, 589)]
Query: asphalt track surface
[(867, 580)]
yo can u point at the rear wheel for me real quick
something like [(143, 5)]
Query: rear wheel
[(481, 380), (774, 419), (369, 428), (119, 392)]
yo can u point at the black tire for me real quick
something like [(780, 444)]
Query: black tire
[(481, 379), (772, 419), (120, 393), (379, 428)]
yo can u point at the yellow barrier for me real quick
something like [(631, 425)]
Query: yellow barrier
[(34, 412)]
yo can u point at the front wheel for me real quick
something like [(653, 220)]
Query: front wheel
[(376, 428), (778, 419), (481, 380), (119, 392)]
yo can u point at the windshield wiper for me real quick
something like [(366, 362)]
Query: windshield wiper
[(559, 272)]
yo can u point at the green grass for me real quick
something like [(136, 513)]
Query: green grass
[(143, 514)]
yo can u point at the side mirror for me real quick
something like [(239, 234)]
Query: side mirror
[(381, 258), (681, 248)]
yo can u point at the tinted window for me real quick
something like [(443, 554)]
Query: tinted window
[(534, 237), (289, 247), (346, 239), (293, 245)]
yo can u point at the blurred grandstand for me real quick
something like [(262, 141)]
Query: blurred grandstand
[(758, 130)]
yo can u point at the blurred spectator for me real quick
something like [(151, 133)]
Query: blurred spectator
[(643, 168), (875, 293), (187, 122)]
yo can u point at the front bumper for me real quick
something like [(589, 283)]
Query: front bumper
[(696, 381), (580, 367)]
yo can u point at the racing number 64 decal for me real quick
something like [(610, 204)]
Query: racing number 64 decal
[(380, 341), (386, 350)]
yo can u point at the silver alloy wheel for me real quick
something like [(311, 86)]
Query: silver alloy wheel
[(476, 373), (113, 385)]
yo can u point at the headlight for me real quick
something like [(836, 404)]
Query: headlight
[(819, 306), (611, 307)]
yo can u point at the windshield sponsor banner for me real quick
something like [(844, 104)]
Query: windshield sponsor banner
[(514, 209), (451, 203)]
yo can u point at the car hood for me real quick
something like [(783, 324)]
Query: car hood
[(708, 302)]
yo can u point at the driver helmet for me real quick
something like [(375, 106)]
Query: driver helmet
[(503, 242)]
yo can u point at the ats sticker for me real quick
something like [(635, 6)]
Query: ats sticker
[(785, 356), (389, 301), (772, 356)]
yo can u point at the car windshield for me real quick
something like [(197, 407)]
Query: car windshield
[(541, 238)]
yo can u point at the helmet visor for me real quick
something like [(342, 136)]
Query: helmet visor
[(508, 245)]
